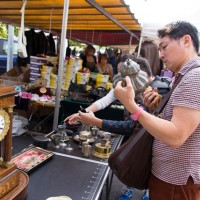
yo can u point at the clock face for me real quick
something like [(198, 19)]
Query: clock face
[(4, 123)]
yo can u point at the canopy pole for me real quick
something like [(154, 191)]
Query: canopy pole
[(61, 62), (139, 47), (10, 47), (130, 42)]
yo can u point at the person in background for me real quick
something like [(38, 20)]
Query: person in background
[(144, 65), (110, 97), (68, 52), (98, 55), (74, 52), (149, 50), (118, 53), (112, 60), (104, 67), (119, 127), (121, 61), (107, 100), (175, 154), (89, 60), (82, 53)]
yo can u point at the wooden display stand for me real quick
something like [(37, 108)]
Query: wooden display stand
[(20, 191), (13, 182)]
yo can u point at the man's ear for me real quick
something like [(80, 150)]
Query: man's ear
[(187, 39)]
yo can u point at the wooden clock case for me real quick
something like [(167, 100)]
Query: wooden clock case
[(13, 182)]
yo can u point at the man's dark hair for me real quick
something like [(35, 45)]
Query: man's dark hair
[(176, 30)]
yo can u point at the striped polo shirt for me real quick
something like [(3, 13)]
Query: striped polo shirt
[(176, 165)]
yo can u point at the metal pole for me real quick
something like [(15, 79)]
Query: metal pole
[(10, 47), (139, 47), (140, 42), (61, 62), (130, 42)]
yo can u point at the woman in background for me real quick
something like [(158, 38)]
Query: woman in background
[(89, 60), (149, 50), (104, 67)]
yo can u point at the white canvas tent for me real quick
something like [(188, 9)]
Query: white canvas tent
[(149, 31)]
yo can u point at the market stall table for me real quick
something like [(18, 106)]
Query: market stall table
[(67, 173)]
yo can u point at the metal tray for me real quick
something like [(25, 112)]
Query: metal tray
[(31, 157)]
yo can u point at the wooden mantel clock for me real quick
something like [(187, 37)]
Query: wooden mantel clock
[(13, 182)]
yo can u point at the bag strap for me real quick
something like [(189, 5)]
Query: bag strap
[(136, 137), (165, 100)]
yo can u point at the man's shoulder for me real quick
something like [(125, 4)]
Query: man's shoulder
[(193, 73)]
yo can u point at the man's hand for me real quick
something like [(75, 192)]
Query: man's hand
[(152, 98), (124, 91)]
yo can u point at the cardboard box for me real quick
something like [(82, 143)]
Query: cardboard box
[(19, 74)]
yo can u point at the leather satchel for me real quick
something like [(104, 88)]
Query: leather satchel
[(97, 93), (132, 162), (73, 87), (77, 92)]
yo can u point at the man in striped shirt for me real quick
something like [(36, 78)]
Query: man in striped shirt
[(176, 149)]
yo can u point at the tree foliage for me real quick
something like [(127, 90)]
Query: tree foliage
[(16, 31), (3, 31), (74, 43)]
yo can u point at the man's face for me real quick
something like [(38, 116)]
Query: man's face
[(171, 52)]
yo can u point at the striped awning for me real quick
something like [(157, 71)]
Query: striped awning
[(87, 20)]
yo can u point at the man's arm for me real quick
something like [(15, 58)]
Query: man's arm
[(174, 132)]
